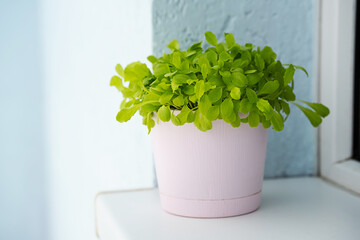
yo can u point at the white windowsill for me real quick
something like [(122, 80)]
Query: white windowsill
[(292, 208)]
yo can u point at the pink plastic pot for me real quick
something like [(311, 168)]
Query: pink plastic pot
[(211, 174)]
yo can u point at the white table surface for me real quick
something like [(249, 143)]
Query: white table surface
[(291, 209)]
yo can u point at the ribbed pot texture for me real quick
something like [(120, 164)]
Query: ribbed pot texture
[(218, 173)]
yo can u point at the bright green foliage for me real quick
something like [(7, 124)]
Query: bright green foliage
[(119, 69), (235, 93), (164, 113), (199, 86), (289, 74), (215, 94), (251, 95), (230, 40), (211, 38)]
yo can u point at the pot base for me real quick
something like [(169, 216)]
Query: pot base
[(210, 208)]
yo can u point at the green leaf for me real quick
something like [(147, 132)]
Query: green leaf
[(204, 65), (221, 47), (277, 121), (268, 55), (251, 94), (212, 57), (254, 119), (179, 101), (213, 112), (245, 106), (264, 106), (188, 54), (204, 104), (259, 62), (285, 107), (170, 74), (176, 59), (230, 119), (227, 108), (180, 78), (188, 90), (224, 56), (250, 71), (277, 105), (246, 57), (175, 120), (216, 80), (160, 69), (203, 60), (269, 87), (266, 124), (211, 38), (235, 49), (236, 123), (288, 94), (150, 123), (230, 40), (236, 106), (254, 78), (174, 45), (166, 97), (185, 66), (201, 122), (225, 74), (151, 97), (299, 67), (205, 70), (319, 108), (136, 71), (193, 98), (303, 69), (152, 59), (174, 86), (126, 114), (119, 69), (195, 47), (215, 94), (313, 117), (244, 120), (117, 82), (237, 70), (183, 115), (149, 107), (199, 89), (240, 63), (239, 79), (164, 113), (289, 74), (191, 117), (235, 93), (126, 104)]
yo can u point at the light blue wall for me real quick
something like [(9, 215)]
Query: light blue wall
[(22, 195), (286, 26)]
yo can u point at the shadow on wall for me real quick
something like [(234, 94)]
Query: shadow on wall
[(22, 163)]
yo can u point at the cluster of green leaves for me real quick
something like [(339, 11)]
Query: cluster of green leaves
[(199, 86)]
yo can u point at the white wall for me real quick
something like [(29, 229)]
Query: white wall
[(87, 150)]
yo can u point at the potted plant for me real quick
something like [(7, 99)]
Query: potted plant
[(208, 112)]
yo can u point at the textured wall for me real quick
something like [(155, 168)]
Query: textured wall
[(286, 26)]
